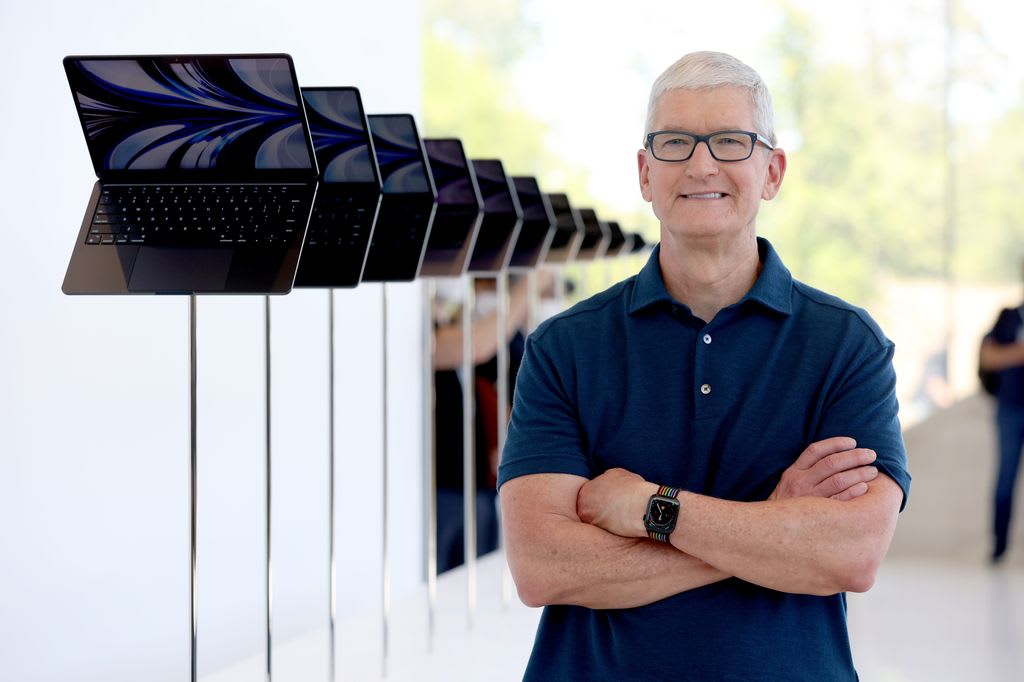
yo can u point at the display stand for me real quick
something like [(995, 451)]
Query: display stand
[(332, 582), (503, 390), (193, 584), (468, 450), (269, 609), (430, 456), (385, 575)]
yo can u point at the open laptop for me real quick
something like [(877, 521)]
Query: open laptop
[(459, 209), (345, 209), (618, 240), (206, 174), (502, 218), (568, 231), (407, 207), (539, 225), (595, 236)]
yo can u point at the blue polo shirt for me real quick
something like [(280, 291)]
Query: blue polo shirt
[(631, 378)]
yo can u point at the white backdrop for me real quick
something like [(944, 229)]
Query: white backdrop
[(94, 446)]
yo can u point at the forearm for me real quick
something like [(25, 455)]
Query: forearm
[(997, 357), (555, 558), (448, 339), (571, 562), (807, 545)]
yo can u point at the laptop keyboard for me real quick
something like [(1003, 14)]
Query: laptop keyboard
[(340, 221), (199, 215)]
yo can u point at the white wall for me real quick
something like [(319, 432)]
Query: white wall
[(94, 544)]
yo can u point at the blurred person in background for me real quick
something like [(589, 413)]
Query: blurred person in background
[(1002, 355), (448, 387)]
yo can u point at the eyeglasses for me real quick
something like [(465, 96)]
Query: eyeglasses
[(725, 145)]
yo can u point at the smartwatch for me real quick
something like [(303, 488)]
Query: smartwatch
[(662, 512)]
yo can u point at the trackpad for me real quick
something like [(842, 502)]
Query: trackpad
[(180, 270)]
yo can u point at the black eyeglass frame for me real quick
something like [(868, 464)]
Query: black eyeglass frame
[(706, 139)]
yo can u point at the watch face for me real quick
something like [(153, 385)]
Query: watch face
[(661, 513)]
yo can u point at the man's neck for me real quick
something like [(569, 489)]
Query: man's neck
[(708, 275)]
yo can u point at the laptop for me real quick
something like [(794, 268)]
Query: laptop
[(206, 174), (538, 227), (459, 209), (568, 230), (618, 240), (595, 236), (407, 207), (347, 201), (639, 245), (502, 218)]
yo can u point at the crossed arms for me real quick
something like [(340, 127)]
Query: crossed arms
[(825, 529)]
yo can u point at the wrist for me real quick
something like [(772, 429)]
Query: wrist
[(662, 513), (638, 509)]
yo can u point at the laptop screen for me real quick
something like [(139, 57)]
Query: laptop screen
[(223, 115), (568, 228), (493, 182), (452, 175), (340, 135), (400, 157)]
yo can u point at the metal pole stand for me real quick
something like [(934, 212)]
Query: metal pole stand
[(193, 584), (385, 568), (332, 582), (468, 450), (503, 392), (266, 300), (430, 455)]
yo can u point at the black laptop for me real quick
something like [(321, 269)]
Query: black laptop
[(206, 174), (502, 218), (539, 225), (639, 244), (459, 210), (568, 230), (407, 207), (617, 244), (595, 236), (346, 203)]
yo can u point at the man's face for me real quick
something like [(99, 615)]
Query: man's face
[(702, 197)]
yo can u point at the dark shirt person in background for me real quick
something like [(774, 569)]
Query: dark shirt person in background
[(1002, 351)]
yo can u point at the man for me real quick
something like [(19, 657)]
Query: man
[(1002, 351), (704, 458)]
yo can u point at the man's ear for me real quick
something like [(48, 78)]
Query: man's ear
[(643, 170), (773, 177)]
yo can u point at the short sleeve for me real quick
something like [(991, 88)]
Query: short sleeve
[(864, 407), (544, 434)]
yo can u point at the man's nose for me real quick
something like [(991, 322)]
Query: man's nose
[(701, 162)]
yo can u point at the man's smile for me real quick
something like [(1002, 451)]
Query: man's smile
[(705, 195)]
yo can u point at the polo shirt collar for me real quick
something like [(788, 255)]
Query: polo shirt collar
[(773, 288)]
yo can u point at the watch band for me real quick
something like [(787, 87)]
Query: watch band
[(666, 491)]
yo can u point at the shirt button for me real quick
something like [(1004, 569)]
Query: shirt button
[(707, 338), (705, 389)]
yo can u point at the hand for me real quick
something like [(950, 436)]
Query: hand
[(616, 501), (834, 467)]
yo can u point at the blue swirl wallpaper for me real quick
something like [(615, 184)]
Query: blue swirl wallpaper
[(197, 113), (402, 166), (493, 183), (450, 169), (340, 138), (530, 201)]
